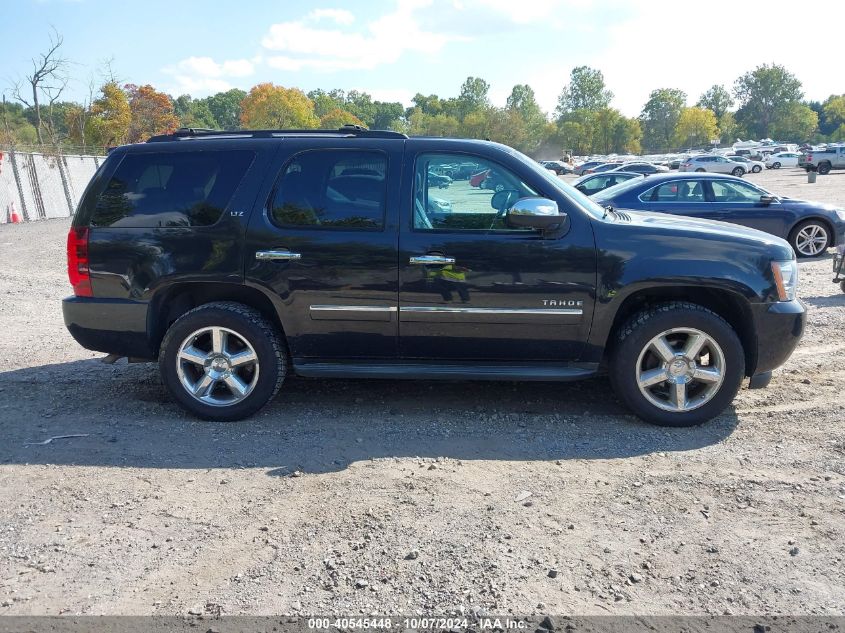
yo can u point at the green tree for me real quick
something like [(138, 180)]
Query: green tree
[(765, 94), (606, 121), (717, 99), (473, 96), (696, 127), (193, 113), (834, 110), (660, 116), (270, 106), (525, 113), (337, 118), (627, 136), (728, 127), (14, 126), (388, 115), (225, 107), (325, 102), (795, 121), (430, 104), (586, 91), (422, 124)]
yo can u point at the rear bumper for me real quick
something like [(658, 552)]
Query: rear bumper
[(113, 326), (779, 328)]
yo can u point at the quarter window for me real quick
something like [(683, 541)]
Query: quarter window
[(331, 189), (469, 201), (171, 189)]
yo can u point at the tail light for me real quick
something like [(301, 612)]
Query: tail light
[(77, 261), (809, 157)]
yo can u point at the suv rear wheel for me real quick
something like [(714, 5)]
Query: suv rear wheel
[(738, 171), (222, 361), (677, 364)]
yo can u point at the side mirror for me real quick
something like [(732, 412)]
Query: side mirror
[(535, 213), (766, 200)]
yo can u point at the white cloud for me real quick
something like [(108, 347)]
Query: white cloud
[(203, 75), (383, 41), (670, 44), (339, 16)]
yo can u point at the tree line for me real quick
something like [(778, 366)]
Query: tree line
[(765, 102)]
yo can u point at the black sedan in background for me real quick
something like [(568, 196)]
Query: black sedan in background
[(593, 183), (810, 227), (646, 169)]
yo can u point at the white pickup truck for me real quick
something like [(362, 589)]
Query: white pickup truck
[(825, 160)]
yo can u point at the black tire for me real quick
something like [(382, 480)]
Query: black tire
[(634, 336), (739, 172), (824, 168), (775, 165), (700, 169), (756, 169), (248, 324), (793, 237)]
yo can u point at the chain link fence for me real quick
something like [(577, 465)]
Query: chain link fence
[(39, 185)]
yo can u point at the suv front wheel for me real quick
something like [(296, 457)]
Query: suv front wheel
[(677, 364), (222, 361)]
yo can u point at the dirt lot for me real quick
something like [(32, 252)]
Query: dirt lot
[(398, 497)]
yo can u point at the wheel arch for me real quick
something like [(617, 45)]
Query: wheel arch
[(170, 303), (731, 306)]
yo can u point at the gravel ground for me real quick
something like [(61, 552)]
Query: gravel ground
[(356, 497)]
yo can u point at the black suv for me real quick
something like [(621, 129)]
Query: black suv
[(235, 258)]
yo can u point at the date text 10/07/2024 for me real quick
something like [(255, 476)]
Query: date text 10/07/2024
[(418, 623)]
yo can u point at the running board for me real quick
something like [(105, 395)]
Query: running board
[(450, 371)]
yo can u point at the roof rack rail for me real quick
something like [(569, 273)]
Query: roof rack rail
[(346, 130)]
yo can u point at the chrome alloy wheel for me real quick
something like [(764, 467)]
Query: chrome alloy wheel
[(811, 240), (217, 366), (680, 369)]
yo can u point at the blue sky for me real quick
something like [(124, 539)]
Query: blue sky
[(395, 48)]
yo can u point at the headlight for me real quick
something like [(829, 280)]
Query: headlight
[(786, 279), (840, 213)]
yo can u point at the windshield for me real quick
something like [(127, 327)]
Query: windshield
[(570, 192)]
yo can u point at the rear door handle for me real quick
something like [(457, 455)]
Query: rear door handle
[(424, 260), (279, 256)]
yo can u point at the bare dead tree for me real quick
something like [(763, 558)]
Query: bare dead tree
[(46, 83)]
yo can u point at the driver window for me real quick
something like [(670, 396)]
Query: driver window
[(458, 193)]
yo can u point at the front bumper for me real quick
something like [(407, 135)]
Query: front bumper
[(779, 327), (113, 326)]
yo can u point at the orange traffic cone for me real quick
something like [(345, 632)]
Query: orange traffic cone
[(14, 216)]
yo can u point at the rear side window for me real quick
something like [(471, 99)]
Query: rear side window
[(675, 191), (171, 189), (331, 189)]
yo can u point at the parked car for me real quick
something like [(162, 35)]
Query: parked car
[(810, 227), (642, 168), (753, 166), (823, 161), (602, 168), (464, 171), (557, 166), (236, 259), (438, 180), (593, 183), (713, 163), (782, 159), (580, 169), (675, 163)]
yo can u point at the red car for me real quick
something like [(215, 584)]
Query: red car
[(476, 179)]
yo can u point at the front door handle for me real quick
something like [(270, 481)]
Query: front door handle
[(280, 256), (425, 260)]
